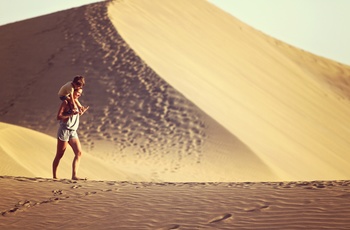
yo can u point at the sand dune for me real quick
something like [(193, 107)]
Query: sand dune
[(196, 121), (178, 92), (286, 105), (27, 152)]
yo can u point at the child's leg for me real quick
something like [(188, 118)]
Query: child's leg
[(72, 104)]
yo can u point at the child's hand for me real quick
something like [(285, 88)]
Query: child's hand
[(83, 109)]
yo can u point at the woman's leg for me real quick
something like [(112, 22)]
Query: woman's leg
[(76, 146), (61, 147)]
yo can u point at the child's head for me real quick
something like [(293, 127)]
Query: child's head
[(78, 82)]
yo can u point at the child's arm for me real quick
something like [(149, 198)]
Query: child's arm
[(77, 102)]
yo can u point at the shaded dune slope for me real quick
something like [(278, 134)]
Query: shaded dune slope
[(137, 120)]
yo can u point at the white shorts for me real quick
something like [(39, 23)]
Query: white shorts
[(66, 134)]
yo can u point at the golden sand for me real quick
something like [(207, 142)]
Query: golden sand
[(191, 113)]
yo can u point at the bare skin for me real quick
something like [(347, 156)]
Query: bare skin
[(61, 148), (73, 142), (74, 100)]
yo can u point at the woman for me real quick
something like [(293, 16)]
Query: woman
[(67, 134)]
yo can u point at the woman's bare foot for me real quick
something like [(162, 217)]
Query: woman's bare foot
[(77, 178)]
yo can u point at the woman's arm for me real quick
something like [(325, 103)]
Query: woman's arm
[(61, 115)]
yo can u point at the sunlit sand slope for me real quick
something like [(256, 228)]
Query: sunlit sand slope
[(27, 152), (288, 106)]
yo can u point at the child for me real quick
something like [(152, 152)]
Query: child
[(67, 90)]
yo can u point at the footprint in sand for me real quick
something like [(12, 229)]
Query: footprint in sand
[(57, 192), (11, 211), (173, 226), (258, 209), (89, 193), (76, 186), (220, 218), (20, 206)]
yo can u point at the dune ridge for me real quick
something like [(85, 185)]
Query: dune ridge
[(136, 120)]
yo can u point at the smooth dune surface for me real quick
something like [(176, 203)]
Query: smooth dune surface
[(266, 93), (196, 121), (28, 152)]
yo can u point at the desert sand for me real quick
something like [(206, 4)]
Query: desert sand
[(37, 203), (196, 121)]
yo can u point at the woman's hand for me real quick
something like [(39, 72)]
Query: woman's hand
[(83, 109)]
